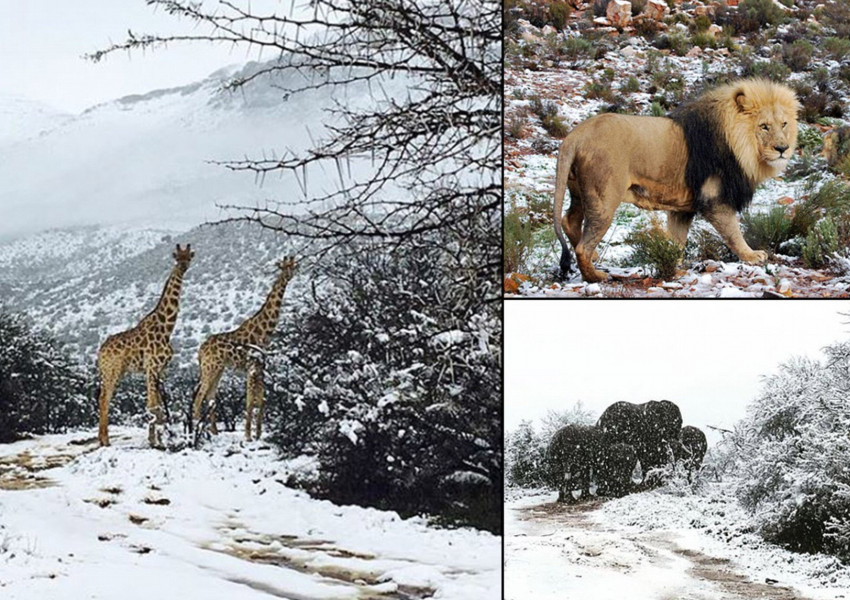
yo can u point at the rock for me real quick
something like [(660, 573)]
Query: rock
[(785, 200), (513, 281), (619, 13), (548, 30), (784, 287), (628, 51), (601, 21), (731, 2), (715, 30), (592, 289), (656, 9), (722, 52), (528, 32), (700, 9), (695, 51), (671, 285)]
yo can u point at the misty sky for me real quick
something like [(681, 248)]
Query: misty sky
[(41, 42), (707, 356)]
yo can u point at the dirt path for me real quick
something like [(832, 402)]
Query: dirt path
[(652, 565)]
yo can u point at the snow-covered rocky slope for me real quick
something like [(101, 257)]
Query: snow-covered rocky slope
[(83, 284), (136, 523)]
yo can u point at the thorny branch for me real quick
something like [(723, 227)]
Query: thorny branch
[(434, 149)]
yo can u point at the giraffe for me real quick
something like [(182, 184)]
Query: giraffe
[(242, 350), (145, 348)]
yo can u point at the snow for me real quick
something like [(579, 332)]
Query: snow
[(652, 546), (131, 522)]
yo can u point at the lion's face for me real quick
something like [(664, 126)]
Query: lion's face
[(776, 134)]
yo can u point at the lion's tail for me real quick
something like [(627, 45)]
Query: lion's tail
[(565, 162)]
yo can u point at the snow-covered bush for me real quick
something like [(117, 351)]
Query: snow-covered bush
[(41, 389), (792, 453), (389, 372)]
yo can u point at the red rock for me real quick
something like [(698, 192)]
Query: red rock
[(513, 281), (656, 9), (785, 200), (619, 12)]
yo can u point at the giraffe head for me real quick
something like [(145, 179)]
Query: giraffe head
[(183, 256), (287, 267)]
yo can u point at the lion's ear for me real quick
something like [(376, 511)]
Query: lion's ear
[(741, 101)]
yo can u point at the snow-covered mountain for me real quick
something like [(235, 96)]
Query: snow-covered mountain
[(22, 119), (146, 160)]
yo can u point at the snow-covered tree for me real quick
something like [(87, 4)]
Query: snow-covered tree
[(792, 453), (41, 389), (391, 376), (525, 460)]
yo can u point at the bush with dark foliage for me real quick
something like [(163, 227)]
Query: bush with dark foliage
[(391, 378), (41, 389)]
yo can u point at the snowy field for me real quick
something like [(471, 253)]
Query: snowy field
[(129, 522), (653, 546)]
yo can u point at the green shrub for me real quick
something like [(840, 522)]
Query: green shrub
[(598, 90), (809, 139), (552, 122), (678, 43), (763, 11), (704, 40), (766, 231), (769, 69), (559, 12), (517, 241), (831, 201), (652, 247), (631, 85), (656, 110), (515, 128), (836, 47), (821, 243), (702, 23), (798, 55), (576, 48)]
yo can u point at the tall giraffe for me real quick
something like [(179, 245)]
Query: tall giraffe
[(145, 348), (241, 349)]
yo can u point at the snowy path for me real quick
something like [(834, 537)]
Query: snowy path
[(558, 551), (130, 522)]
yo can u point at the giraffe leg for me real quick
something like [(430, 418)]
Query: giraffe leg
[(210, 376), (108, 382), (259, 401), (154, 407), (249, 405)]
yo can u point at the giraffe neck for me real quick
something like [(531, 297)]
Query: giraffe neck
[(259, 327), (164, 315)]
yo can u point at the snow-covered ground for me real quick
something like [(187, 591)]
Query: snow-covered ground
[(653, 546), (130, 522)]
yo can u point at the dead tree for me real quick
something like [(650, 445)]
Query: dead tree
[(435, 149)]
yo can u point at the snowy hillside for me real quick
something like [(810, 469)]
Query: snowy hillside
[(22, 119), (132, 522), (86, 283), (145, 160)]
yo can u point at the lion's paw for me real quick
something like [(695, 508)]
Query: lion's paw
[(756, 257)]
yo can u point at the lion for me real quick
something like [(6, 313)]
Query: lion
[(705, 157)]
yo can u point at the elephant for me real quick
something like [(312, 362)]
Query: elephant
[(614, 474), (691, 448), (573, 456), (651, 428)]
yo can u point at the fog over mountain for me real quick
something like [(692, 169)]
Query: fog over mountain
[(146, 160)]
